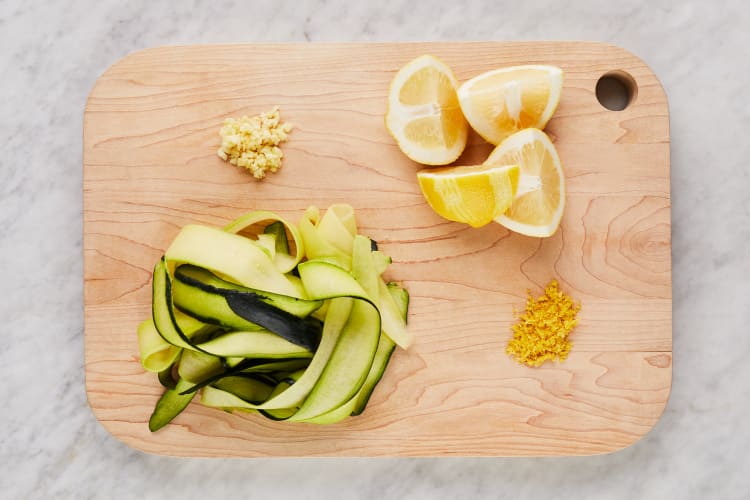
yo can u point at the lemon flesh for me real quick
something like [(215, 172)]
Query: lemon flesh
[(474, 195), (424, 115), (501, 102), (539, 201)]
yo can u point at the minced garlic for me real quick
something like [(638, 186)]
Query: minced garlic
[(541, 333), (253, 142)]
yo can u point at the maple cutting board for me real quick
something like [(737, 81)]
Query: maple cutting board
[(150, 166)]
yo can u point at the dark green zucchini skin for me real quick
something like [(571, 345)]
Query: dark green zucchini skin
[(206, 280), (166, 377), (278, 415), (382, 356), (279, 366), (384, 352), (173, 401), (240, 367), (253, 388), (305, 332), (283, 413), (278, 229), (171, 404), (162, 310), (248, 306)]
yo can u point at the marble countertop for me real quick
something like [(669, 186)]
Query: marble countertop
[(51, 444)]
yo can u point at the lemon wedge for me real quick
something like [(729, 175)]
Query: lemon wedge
[(539, 201), (474, 195), (424, 116), (500, 102)]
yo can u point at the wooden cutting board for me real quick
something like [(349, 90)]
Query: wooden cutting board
[(150, 166)]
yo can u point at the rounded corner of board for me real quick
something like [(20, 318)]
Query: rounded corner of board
[(110, 426), (111, 68), (106, 425), (637, 438)]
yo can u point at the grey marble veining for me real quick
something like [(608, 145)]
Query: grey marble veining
[(52, 52)]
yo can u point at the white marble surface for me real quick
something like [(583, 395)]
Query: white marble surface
[(52, 52)]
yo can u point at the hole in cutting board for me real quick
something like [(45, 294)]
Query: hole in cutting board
[(616, 90)]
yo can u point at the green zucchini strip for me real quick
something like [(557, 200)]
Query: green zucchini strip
[(379, 364), (338, 227), (323, 281), (381, 261), (246, 387), (268, 243), (207, 281), (228, 255), (244, 310), (283, 385), (281, 242), (316, 245), (355, 350), (240, 318), (218, 398), (358, 402), (283, 261), (386, 346), (196, 366), (174, 326), (171, 404), (394, 324), (385, 350), (156, 353), (238, 368), (303, 332), (162, 310), (338, 314), (364, 271), (166, 376), (279, 365), (254, 344), (208, 307), (224, 397)]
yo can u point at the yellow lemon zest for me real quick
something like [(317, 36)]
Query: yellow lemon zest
[(541, 333)]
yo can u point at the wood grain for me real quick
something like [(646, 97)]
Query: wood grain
[(150, 136)]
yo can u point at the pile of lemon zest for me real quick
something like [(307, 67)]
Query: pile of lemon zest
[(541, 333)]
